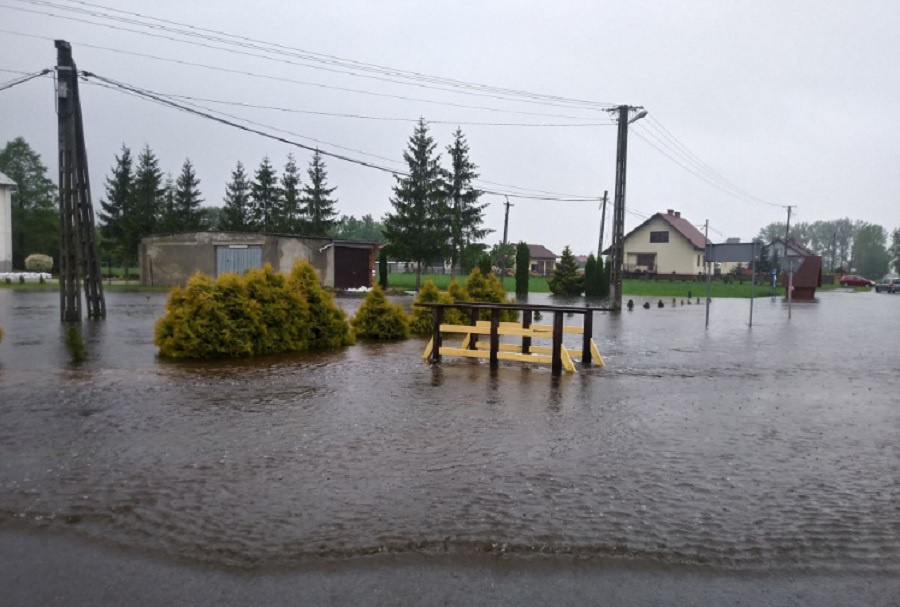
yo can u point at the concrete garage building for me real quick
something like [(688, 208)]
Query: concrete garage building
[(171, 259)]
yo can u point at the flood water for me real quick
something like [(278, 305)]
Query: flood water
[(769, 447)]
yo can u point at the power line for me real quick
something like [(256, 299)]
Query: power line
[(664, 133), (385, 118), (16, 81), (130, 89), (295, 81), (334, 64)]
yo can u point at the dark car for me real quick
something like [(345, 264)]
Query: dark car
[(852, 280), (888, 284)]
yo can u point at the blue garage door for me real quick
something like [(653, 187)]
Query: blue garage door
[(237, 259)]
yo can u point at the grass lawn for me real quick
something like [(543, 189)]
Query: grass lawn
[(634, 288)]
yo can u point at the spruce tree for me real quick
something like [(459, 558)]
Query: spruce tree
[(236, 212), (265, 199), (168, 215), (523, 268), (146, 201), (293, 219), (188, 199), (418, 229), (114, 208), (566, 280), (318, 206), (466, 213)]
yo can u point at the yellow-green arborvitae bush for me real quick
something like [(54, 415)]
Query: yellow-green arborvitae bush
[(209, 319), (328, 322), (237, 316), (284, 321), (422, 323), (489, 289), (377, 318)]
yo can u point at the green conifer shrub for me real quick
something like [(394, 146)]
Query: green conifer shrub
[(208, 319), (377, 318), (422, 323), (523, 268), (284, 323), (566, 280), (328, 322), (489, 289), (75, 344)]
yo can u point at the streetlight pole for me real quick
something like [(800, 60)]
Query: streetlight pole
[(618, 237)]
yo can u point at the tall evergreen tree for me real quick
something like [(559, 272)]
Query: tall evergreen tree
[(466, 213), (168, 216), (523, 268), (188, 199), (293, 219), (114, 209), (418, 229), (146, 202), (235, 216), (318, 207), (265, 199)]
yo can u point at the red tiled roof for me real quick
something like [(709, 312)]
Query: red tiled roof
[(685, 228), (539, 251), (680, 224)]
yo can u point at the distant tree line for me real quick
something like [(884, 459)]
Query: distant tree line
[(858, 246)]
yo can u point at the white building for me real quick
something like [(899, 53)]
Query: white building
[(7, 186)]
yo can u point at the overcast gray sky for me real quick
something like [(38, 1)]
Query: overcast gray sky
[(777, 102)]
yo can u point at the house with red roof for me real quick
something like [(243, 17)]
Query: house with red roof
[(665, 244), (543, 260)]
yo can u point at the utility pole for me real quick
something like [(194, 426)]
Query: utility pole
[(505, 232), (602, 222), (618, 243), (78, 245), (787, 228)]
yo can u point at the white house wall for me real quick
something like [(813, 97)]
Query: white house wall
[(678, 255), (5, 229)]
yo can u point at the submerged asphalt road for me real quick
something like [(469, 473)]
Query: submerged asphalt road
[(50, 570)]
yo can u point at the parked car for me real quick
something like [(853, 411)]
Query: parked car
[(852, 280), (888, 284)]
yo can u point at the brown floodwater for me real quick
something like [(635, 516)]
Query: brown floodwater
[(768, 447)]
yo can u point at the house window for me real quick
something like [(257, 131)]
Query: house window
[(646, 259), (659, 236)]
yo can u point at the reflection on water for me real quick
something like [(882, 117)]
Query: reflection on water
[(733, 447)]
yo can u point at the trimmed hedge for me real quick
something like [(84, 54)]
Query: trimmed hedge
[(39, 263)]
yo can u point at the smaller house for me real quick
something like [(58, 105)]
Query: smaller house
[(7, 186), (543, 260)]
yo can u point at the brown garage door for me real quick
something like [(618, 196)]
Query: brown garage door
[(351, 267)]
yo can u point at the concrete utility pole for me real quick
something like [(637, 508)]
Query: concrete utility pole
[(618, 241), (78, 257), (505, 232), (602, 222), (787, 228)]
